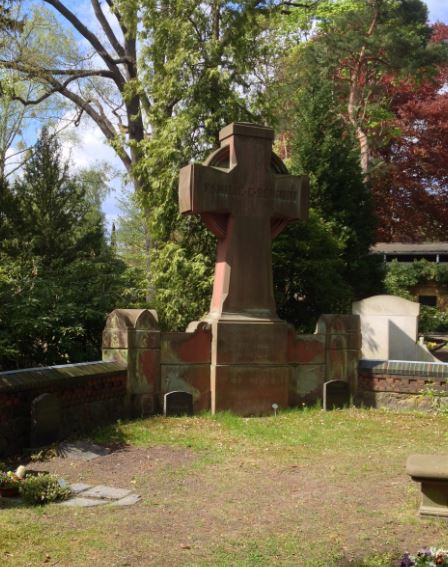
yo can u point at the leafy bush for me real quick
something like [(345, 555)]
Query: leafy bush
[(402, 278), (42, 489)]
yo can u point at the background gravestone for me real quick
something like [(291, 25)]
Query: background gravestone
[(336, 395), (45, 420), (177, 403)]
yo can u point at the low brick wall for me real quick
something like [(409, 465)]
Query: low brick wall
[(397, 384), (90, 394)]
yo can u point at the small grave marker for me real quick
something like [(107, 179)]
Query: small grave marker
[(177, 403), (336, 395), (45, 420)]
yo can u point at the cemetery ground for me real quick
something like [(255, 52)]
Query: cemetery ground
[(306, 488)]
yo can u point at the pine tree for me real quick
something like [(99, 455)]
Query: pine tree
[(60, 277)]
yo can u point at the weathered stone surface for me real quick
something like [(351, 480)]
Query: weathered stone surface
[(245, 197), (127, 500), (305, 383), (432, 472), (389, 329), (337, 324), (177, 403), (45, 420), (249, 390), (131, 336), (189, 378), (189, 348), (79, 487), (336, 395), (306, 349), (250, 342), (106, 492), (82, 451), (81, 502)]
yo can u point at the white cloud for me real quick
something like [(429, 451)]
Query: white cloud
[(85, 147)]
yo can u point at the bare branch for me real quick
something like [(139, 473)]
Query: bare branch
[(107, 29), (92, 39), (40, 71)]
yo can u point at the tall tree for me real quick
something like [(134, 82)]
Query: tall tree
[(411, 190), (362, 42), (59, 277)]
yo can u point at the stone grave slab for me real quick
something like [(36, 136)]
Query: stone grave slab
[(81, 502), (106, 492), (336, 395), (79, 487), (127, 500), (177, 403), (45, 420), (82, 451)]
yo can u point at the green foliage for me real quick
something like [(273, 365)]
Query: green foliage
[(401, 278), (59, 277), (308, 270), (324, 264), (43, 489), (183, 283)]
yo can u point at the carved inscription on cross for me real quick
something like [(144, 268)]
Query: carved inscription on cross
[(245, 197)]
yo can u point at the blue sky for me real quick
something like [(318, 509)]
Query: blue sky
[(438, 10)]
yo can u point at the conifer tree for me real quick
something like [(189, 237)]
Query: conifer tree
[(59, 276)]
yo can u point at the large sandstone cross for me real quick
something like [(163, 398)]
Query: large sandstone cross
[(245, 197)]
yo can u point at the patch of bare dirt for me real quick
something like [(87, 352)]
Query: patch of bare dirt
[(122, 466)]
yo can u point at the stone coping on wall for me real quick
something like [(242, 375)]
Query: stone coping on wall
[(56, 376), (405, 368)]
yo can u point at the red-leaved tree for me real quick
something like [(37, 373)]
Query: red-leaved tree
[(411, 190)]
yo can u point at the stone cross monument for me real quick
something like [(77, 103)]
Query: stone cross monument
[(245, 196)]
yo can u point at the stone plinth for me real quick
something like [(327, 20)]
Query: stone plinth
[(249, 370), (432, 472), (186, 359), (132, 337)]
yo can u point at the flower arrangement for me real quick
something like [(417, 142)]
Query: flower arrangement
[(8, 480), (9, 483), (39, 488), (429, 557)]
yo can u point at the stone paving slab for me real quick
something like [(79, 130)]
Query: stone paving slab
[(127, 500), (80, 502), (106, 492), (82, 451), (87, 496), (79, 487)]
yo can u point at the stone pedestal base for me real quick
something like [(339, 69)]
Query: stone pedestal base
[(249, 390), (249, 370), (434, 498)]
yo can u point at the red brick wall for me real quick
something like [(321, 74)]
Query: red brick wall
[(90, 395)]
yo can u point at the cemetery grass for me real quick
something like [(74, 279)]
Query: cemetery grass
[(306, 488)]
